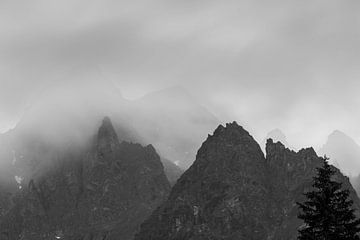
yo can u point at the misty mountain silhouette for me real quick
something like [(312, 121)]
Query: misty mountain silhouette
[(178, 123), (343, 151), (170, 119), (232, 191), (172, 171), (277, 136), (101, 191)]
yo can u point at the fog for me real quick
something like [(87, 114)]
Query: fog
[(66, 116), (286, 64)]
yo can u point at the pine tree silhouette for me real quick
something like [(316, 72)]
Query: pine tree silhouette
[(327, 212)]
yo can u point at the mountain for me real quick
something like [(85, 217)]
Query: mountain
[(290, 175), (174, 122), (170, 119), (232, 191), (277, 136), (344, 152), (101, 190)]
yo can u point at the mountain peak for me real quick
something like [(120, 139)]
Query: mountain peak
[(337, 134), (272, 142), (338, 138), (277, 146), (107, 137), (102, 191), (232, 192), (230, 147), (277, 136), (214, 184), (232, 132), (107, 129), (343, 151)]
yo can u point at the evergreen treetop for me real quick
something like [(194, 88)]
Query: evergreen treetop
[(327, 211)]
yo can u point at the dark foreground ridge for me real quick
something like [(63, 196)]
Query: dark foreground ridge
[(233, 192), (102, 192)]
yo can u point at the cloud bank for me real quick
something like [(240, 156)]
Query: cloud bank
[(287, 64)]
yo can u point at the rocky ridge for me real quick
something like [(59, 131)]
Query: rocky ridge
[(233, 192), (102, 191)]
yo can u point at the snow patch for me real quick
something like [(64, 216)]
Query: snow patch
[(19, 179)]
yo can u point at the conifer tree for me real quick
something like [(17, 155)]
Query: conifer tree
[(327, 211)]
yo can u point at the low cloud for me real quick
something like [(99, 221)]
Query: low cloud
[(287, 64)]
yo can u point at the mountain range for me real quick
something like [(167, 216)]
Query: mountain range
[(66, 172), (232, 191), (171, 120), (100, 191), (106, 188)]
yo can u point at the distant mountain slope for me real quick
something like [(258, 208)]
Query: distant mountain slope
[(100, 191), (172, 171), (232, 191), (344, 152), (171, 119), (174, 122), (277, 136)]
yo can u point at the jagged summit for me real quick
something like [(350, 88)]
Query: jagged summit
[(277, 136), (232, 192), (271, 144), (150, 148), (231, 133), (227, 140), (211, 187), (107, 130), (107, 138), (233, 126), (103, 191)]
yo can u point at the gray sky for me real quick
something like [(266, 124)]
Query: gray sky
[(285, 64)]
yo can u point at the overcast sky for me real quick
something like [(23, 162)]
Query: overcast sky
[(285, 64)]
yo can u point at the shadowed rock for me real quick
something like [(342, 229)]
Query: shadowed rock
[(100, 192), (233, 192)]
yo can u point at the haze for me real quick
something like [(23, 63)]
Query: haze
[(292, 65)]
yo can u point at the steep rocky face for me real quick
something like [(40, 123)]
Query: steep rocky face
[(8, 185), (5, 200), (290, 175), (101, 192), (277, 136), (220, 196), (232, 192)]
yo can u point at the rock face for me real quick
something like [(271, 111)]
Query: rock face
[(100, 192), (277, 136), (290, 176), (233, 192)]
